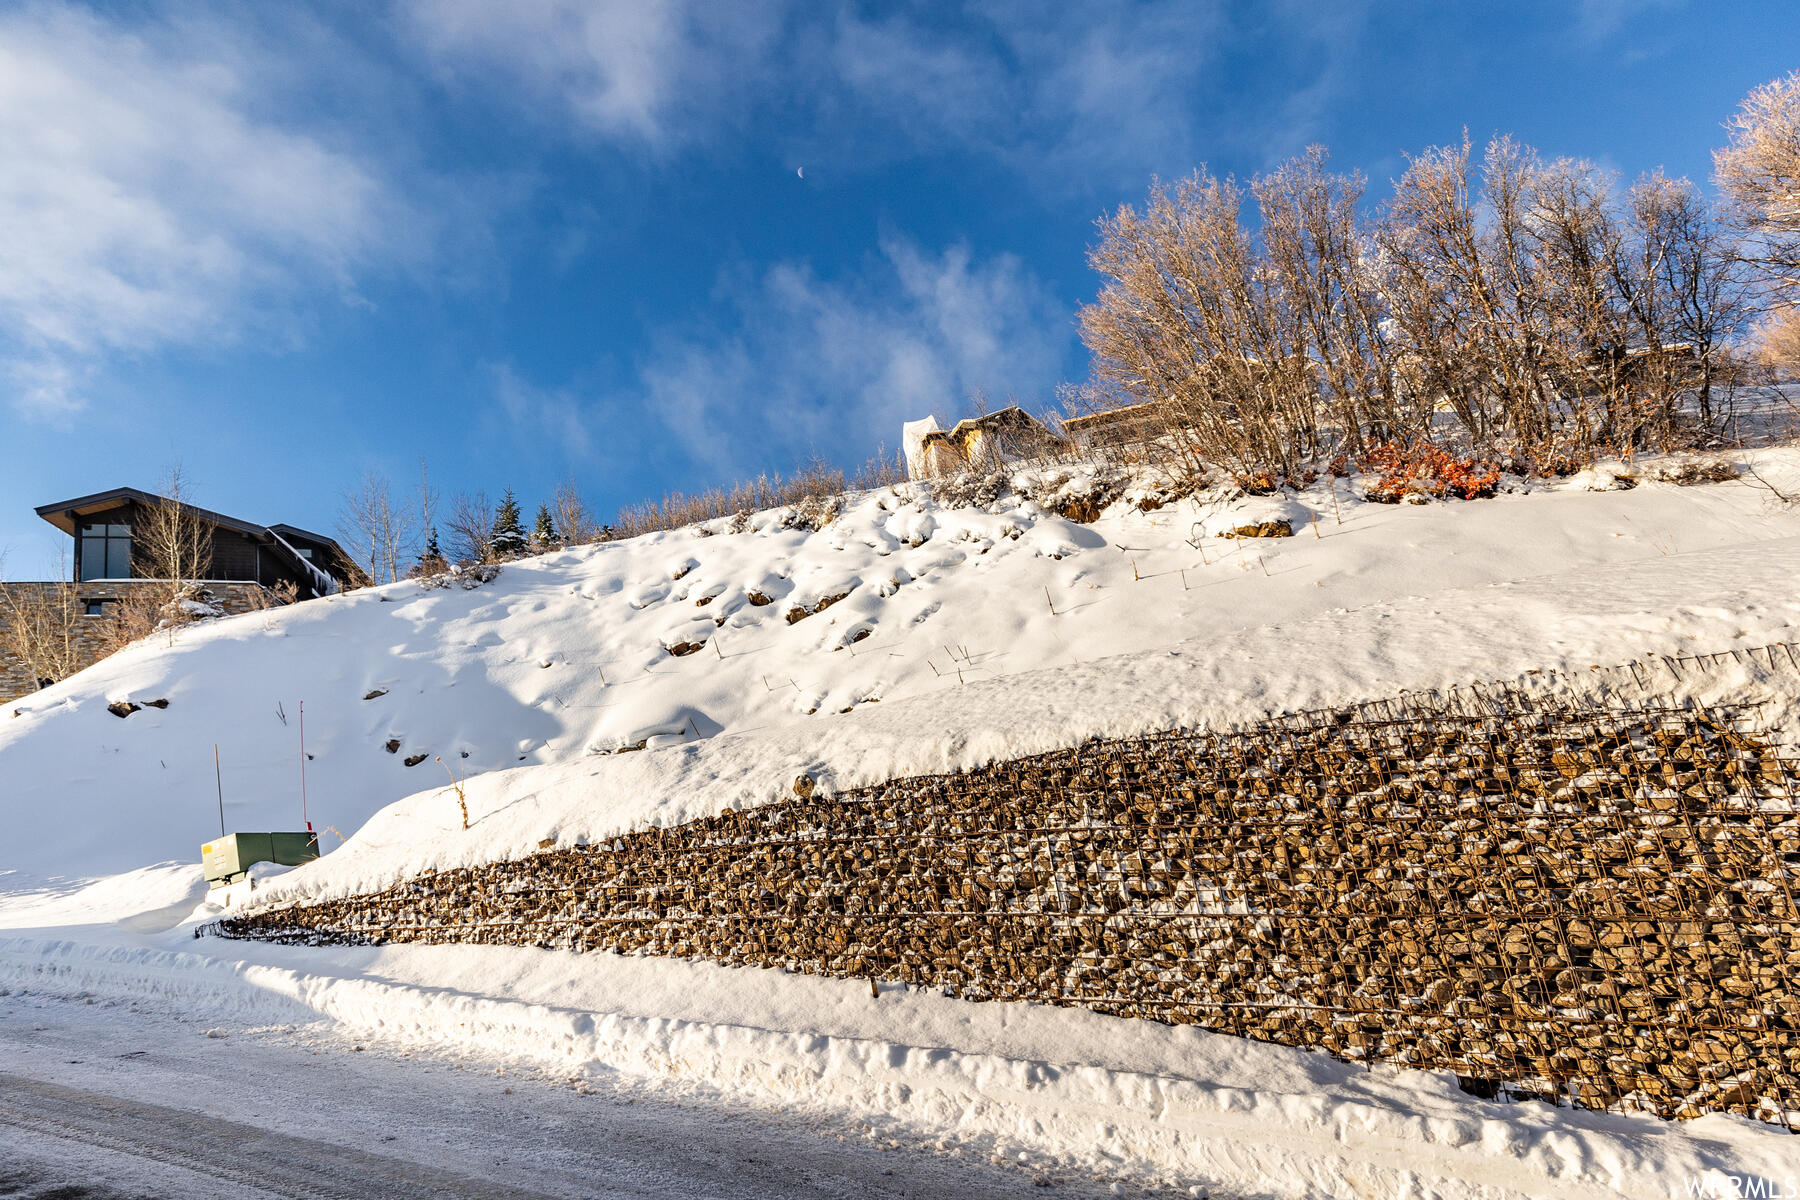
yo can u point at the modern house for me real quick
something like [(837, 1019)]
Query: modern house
[(271, 556), (250, 566)]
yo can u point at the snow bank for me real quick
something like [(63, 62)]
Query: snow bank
[(1168, 1105)]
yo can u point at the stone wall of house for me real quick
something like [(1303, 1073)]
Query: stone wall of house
[(91, 631), (1585, 904)]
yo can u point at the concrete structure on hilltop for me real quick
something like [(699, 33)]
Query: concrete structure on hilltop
[(987, 440)]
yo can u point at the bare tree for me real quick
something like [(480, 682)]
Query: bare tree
[(1686, 292), (1596, 265), (40, 626), (1192, 323), (1465, 273), (1253, 349), (1775, 342), (1314, 243), (1550, 312), (372, 521), (1574, 244), (470, 524), (1759, 172), (170, 542), (573, 519), (1429, 254), (425, 507)]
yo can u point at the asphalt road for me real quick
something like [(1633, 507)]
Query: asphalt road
[(104, 1101)]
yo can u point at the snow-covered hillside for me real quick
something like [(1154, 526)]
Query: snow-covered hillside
[(576, 654), (958, 634)]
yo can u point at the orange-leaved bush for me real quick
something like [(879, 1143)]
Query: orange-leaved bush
[(1422, 469)]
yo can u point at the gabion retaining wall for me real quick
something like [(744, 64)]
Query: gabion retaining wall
[(1593, 906)]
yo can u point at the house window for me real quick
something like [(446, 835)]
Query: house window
[(305, 552), (95, 608), (105, 552)]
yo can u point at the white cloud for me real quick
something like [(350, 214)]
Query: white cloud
[(1112, 86), (539, 416), (147, 201), (1108, 83), (841, 363), (45, 389), (649, 72), (1101, 94), (1597, 20), (928, 85)]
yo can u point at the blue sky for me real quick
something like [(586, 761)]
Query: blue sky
[(287, 245)]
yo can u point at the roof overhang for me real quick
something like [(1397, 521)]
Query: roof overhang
[(67, 514), (64, 513), (294, 531)]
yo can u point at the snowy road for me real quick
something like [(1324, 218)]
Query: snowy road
[(102, 1102), (255, 1159)]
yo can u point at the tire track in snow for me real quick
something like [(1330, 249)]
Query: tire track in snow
[(269, 1163)]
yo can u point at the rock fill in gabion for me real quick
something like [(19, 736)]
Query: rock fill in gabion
[(1593, 906)]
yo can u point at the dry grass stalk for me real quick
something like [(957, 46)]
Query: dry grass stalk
[(456, 783)]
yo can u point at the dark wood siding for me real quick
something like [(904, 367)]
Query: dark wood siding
[(237, 556), (234, 556)]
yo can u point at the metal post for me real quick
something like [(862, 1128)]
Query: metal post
[(303, 766), (219, 782)]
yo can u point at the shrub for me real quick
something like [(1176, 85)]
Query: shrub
[(1694, 471), (1421, 469), (134, 616), (813, 512), (1079, 498), (971, 489), (468, 577)]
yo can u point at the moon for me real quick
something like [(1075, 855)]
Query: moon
[(801, 172)]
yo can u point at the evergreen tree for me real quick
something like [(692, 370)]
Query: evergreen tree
[(508, 537), (431, 559), (545, 536)]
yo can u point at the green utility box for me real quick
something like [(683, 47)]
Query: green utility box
[(227, 859)]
